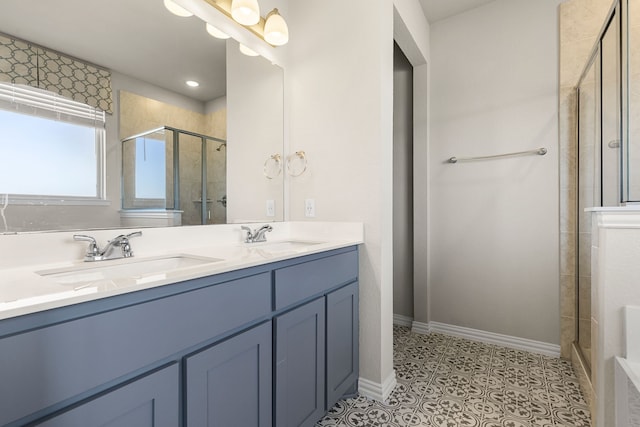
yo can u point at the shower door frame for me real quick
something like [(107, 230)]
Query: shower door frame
[(617, 12)]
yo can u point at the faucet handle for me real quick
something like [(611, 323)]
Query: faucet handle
[(249, 236), (124, 238), (93, 249), (123, 241), (84, 238)]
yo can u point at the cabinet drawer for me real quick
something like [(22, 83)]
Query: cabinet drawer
[(46, 366), (152, 401), (305, 280)]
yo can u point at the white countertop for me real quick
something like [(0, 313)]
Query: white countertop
[(23, 290)]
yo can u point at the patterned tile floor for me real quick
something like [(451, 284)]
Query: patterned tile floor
[(448, 382)]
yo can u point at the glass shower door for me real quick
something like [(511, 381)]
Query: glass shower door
[(631, 55), (190, 179), (588, 134), (611, 182), (599, 161)]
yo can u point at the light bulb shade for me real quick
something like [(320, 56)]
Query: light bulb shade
[(216, 32), (245, 12), (176, 10), (276, 31), (247, 51)]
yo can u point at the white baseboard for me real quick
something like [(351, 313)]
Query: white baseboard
[(400, 320), (420, 328), (376, 391), (532, 346)]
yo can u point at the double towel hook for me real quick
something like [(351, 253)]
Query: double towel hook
[(297, 164)]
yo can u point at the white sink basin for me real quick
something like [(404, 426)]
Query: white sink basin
[(285, 246), (133, 269)]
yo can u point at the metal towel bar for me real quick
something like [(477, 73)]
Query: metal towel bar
[(540, 151)]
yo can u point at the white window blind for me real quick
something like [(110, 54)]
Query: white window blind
[(29, 100)]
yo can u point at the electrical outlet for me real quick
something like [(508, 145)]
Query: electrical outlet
[(309, 208), (271, 208)]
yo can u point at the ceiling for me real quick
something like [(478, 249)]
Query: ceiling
[(437, 10), (139, 38)]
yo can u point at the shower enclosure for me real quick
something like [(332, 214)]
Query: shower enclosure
[(608, 96), (169, 169)]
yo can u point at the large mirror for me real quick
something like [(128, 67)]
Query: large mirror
[(216, 147)]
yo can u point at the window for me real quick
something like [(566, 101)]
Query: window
[(50, 147), (150, 169)]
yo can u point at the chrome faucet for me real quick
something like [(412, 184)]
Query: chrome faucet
[(95, 254), (257, 235)]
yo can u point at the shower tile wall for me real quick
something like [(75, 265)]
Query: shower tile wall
[(580, 23), (139, 114)]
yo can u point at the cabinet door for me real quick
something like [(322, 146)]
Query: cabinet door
[(300, 365), (342, 342), (229, 384), (152, 401)]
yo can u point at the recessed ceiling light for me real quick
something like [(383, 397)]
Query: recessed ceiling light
[(192, 83)]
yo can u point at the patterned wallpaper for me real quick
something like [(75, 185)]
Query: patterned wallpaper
[(28, 64)]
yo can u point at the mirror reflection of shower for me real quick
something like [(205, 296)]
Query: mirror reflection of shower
[(169, 170)]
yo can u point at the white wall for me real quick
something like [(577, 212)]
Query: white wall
[(339, 82), (494, 224), (615, 271), (339, 101)]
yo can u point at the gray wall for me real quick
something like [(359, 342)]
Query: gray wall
[(402, 184), (494, 224)]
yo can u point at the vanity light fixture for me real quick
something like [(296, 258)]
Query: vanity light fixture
[(276, 31), (177, 10), (192, 83), (245, 12), (273, 29), (247, 51), (215, 32)]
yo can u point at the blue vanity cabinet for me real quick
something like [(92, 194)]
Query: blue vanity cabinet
[(53, 360), (342, 343), (273, 345), (230, 384), (152, 401), (316, 337), (300, 365)]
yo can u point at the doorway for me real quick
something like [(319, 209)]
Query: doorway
[(403, 232)]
